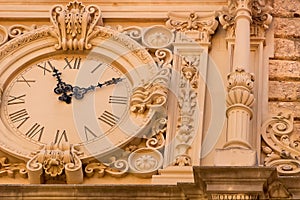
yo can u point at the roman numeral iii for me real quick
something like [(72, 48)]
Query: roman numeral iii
[(118, 100), (109, 118)]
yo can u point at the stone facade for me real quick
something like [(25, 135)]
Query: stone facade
[(284, 66), (218, 109)]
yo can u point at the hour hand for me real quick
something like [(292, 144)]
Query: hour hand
[(79, 92), (62, 88)]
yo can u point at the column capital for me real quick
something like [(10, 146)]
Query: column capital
[(256, 11), (193, 26)]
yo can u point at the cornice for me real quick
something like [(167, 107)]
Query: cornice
[(16, 9)]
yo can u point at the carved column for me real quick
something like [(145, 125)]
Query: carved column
[(240, 18)]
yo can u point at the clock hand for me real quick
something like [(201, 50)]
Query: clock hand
[(78, 92), (62, 88)]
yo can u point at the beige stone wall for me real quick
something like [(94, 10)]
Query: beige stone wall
[(284, 67)]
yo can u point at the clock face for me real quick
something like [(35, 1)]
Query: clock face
[(97, 122)]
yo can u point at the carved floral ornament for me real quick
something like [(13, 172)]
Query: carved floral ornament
[(281, 145)]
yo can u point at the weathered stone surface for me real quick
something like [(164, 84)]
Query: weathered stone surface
[(287, 27), (284, 70), (286, 8), (284, 90), (286, 107), (287, 48)]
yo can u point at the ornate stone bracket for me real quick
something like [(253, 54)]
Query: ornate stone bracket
[(193, 27), (11, 169), (55, 164), (281, 145), (74, 25)]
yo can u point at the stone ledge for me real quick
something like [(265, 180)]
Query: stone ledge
[(234, 180), (99, 192)]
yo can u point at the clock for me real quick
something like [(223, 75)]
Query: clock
[(75, 82), (77, 98)]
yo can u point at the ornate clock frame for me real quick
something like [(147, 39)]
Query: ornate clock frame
[(79, 28)]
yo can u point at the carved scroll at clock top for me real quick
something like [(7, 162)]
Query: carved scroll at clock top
[(74, 25)]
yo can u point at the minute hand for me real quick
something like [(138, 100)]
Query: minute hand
[(79, 92)]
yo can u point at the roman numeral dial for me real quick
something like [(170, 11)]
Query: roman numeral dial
[(32, 109)]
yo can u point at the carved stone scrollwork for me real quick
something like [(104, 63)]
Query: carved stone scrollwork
[(118, 168), (152, 95), (163, 57), (281, 145), (74, 25), (3, 35), (196, 27), (134, 32), (157, 140), (55, 163), (18, 29), (11, 169)]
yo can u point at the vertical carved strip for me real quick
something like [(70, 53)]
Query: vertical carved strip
[(187, 105)]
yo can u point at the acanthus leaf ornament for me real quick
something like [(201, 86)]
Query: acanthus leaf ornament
[(74, 25)]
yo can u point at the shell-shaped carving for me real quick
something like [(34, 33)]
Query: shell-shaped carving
[(240, 96)]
